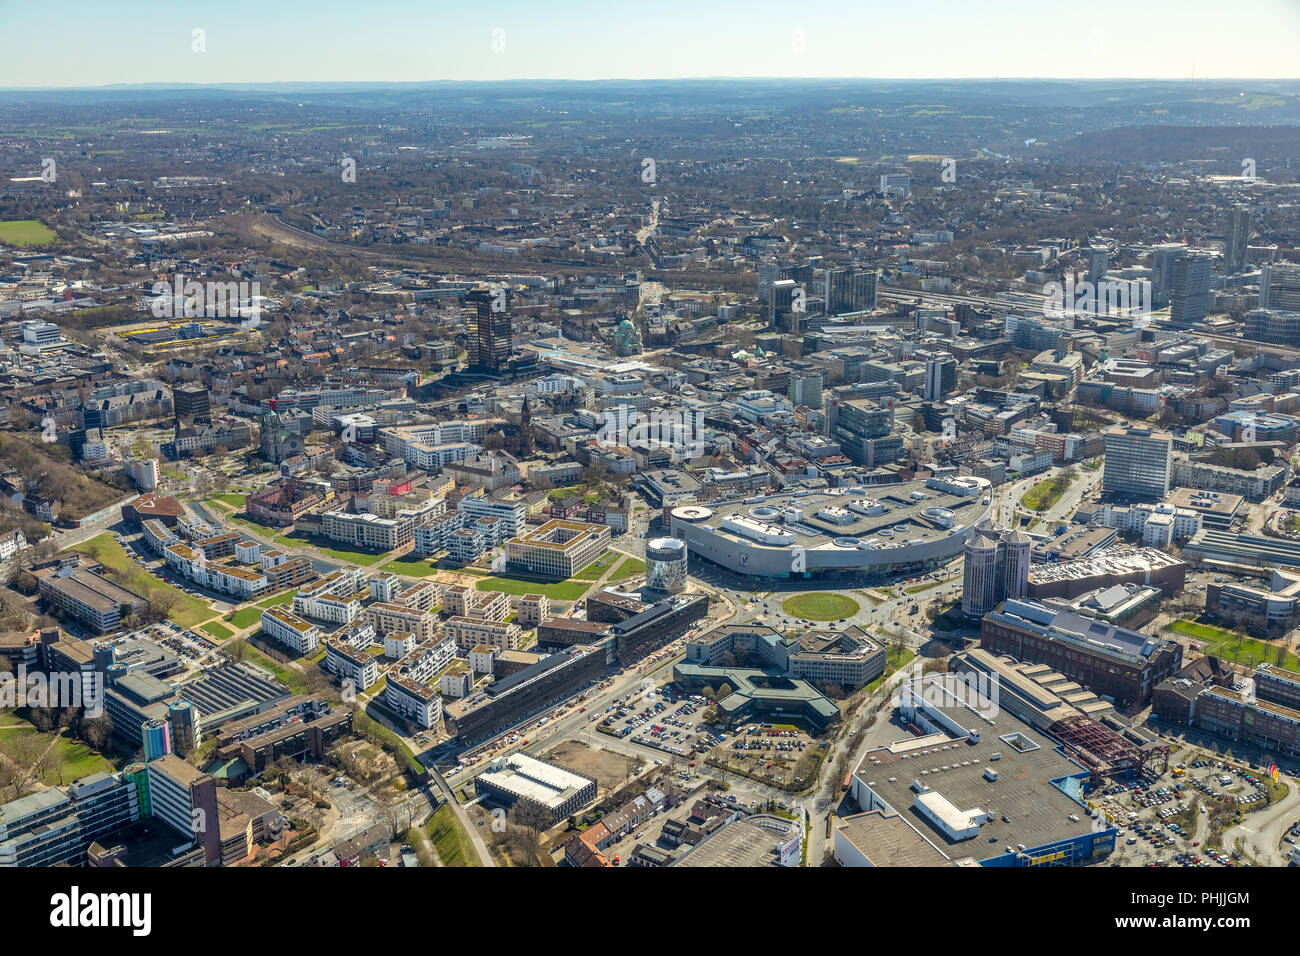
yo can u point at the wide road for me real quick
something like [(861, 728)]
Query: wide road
[(826, 796), (1261, 832)]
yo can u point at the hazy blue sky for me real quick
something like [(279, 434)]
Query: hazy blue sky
[(102, 42)]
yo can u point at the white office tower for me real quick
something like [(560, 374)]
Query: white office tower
[(1139, 464), (1279, 286)]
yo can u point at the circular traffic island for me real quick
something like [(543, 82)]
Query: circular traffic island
[(820, 606)]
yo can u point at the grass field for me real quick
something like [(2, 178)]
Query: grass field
[(78, 759), (410, 567), (627, 569), (450, 839), (339, 553), (593, 571), (189, 610), (217, 630), (236, 501), (287, 676), (284, 597), (1046, 493), (250, 615), (820, 606), (555, 590), (25, 232), (1233, 647), (246, 617), (923, 586)]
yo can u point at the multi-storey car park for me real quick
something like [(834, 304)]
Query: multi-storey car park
[(882, 529)]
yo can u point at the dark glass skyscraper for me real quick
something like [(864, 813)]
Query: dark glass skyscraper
[(489, 329)]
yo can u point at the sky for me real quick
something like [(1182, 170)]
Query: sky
[(82, 43)]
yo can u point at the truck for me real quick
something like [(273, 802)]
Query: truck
[(844, 784)]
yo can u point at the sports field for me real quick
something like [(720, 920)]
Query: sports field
[(25, 232)]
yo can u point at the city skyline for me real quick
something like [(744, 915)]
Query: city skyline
[(396, 42)]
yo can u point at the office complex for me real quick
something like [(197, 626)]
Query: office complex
[(1279, 286), (665, 565), (1236, 238), (56, 826), (850, 289), (525, 693), (1139, 464), (940, 378), (1189, 296), (557, 549), (1275, 326), (523, 779)]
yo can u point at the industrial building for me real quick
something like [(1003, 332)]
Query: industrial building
[(977, 783), (1110, 661), (523, 779)]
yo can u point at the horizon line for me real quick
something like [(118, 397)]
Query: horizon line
[(227, 84)]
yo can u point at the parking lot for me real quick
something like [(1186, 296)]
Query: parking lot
[(781, 756), (660, 720), (1167, 819)]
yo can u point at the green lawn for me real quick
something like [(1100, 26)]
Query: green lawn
[(1046, 493), (264, 529), (923, 586), (338, 552), (287, 676), (820, 606), (217, 630), (450, 839), (25, 232), (1233, 647), (410, 567), (593, 571), (555, 590), (895, 657), (78, 759), (629, 567), (284, 597), (246, 617), (189, 610), (236, 501)]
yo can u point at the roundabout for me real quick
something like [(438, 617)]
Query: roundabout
[(820, 606)]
